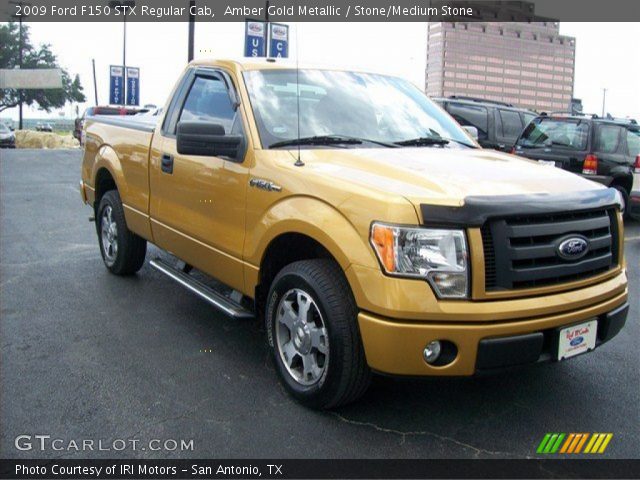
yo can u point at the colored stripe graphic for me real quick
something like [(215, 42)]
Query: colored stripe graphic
[(567, 443), (605, 444), (599, 443), (543, 443), (573, 443), (576, 439), (581, 442), (556, 445)]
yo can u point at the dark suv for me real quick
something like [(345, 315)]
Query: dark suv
[(603, 150), (498, 124)]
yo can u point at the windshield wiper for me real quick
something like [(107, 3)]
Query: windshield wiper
[(561, 144), (422, 141), (329, 140), (318, 140), (530, 145)]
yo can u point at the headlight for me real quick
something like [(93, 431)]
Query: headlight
[(436, 255)]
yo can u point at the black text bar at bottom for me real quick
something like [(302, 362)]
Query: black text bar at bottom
[(316, 469)]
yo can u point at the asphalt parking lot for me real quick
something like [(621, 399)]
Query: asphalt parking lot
[(88, 355)]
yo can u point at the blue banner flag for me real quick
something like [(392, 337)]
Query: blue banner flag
[(116, 85), (279, 40), (133, 86), (255, 42)]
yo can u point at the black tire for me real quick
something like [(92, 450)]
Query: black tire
[(131, 249), (346, 374), (625, 199)]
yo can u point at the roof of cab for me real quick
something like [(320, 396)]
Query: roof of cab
[(246, 63), (269, 64)]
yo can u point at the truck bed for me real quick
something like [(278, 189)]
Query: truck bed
[(142, 122), (121, 145)]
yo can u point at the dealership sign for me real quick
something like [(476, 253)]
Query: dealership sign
[(116, 85), (279, 40), (255, 41), (133, 86)]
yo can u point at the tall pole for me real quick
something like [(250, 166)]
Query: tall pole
[(268, 35), (604, 96), (192, 28), (20, 91), (124, 57), (95, 83)]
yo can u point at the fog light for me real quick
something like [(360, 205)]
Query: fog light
[(431, 352)]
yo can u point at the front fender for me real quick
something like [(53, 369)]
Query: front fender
[(315, 219)]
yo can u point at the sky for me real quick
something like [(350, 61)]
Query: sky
[(160, 50)]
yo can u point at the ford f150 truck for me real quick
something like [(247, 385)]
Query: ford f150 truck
[(357, 220)]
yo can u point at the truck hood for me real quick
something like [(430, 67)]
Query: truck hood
[(443, 176)]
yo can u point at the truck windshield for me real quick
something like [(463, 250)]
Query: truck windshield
[(553, 132), (377, 109)]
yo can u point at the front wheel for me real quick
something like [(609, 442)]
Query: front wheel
[(311, 320), (122, 250)]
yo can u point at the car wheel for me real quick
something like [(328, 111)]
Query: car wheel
[(625, 200), (123, 251), (312, 328)]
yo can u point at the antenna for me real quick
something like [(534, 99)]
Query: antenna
[(299, 162)]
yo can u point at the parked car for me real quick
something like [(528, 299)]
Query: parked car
[(7, 137), (44, 127), (102, 110), (634, 200), (498, 124), (600, 149), (368, 233)]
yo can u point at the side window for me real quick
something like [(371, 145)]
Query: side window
[(472, 115), (208, 101), (528, 118), (633, 142), (607, 137), (511, 123)]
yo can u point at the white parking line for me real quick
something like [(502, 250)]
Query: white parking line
[(631, 239)]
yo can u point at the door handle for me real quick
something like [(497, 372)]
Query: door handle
[(167, 163)]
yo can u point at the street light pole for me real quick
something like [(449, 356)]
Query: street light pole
[(192, 28), (20, 3), (604, 96), (124, 56), (95, 83), (20, 91), (125, 5)]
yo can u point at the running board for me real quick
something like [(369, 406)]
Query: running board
[(203, 291)]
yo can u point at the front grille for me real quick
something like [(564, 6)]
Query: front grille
[(521, 251)]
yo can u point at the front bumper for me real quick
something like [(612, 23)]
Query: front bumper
[(396, 348)]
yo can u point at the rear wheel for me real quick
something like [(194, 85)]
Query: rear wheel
[(312, 327), (123, 251)]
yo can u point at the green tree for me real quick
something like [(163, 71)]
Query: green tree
[(34, 57)]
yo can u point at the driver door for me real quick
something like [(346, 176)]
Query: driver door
[(197, 203)]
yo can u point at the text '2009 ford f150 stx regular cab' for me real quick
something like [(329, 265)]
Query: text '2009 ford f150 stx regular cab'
[(357, 220)]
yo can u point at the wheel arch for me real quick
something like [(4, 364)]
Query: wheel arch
[(107, 173), (301, 229)]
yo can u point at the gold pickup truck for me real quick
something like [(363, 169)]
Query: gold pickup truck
[(358, 221)]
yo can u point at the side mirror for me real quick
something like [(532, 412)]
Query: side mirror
[(471, 130), (207, 139)]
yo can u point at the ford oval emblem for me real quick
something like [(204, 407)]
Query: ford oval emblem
[(573, 248), (576, 341)]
